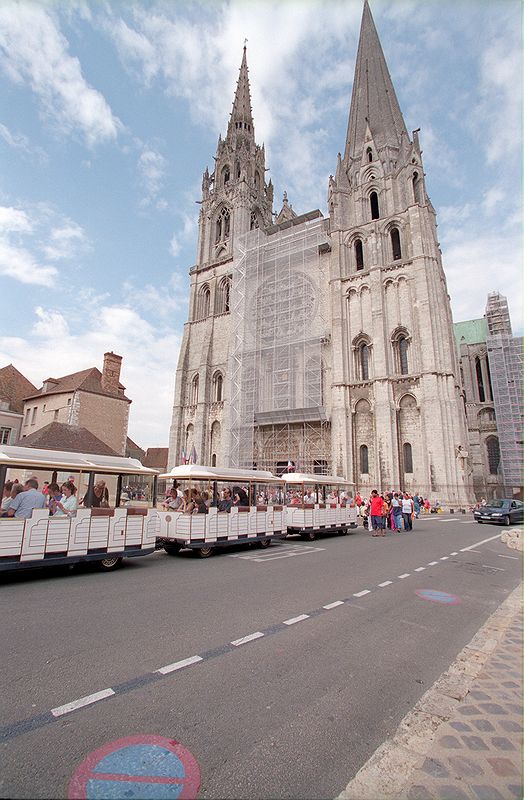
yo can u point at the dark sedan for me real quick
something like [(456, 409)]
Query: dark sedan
[(506, 512)]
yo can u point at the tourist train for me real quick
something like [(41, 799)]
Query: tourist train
[(128, 520)]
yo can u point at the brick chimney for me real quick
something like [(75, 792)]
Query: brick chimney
[(111, 372)]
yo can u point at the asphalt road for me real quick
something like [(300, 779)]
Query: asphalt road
[(292, 713)]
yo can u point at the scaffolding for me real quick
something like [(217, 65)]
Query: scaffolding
[(505, 364), (278, 334)]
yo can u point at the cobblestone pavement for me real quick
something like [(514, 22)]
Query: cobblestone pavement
[(464, 738)]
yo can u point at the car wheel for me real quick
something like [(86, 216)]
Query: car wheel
[(264, 543), (109, 564), (172, 549), (480, 521), (506, 521), (204, 552)]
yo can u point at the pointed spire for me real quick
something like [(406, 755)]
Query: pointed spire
[(241, 114), (374, 103), (286, 213)]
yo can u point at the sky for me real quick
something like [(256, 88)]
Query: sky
[(110, 112)]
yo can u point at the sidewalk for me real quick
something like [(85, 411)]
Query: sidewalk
[(463, 739)]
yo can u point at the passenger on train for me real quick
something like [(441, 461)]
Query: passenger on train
[(240, 497), (67, 506), (27, 500), (226, 501)]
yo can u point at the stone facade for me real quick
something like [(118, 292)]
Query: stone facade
[(389, 411)]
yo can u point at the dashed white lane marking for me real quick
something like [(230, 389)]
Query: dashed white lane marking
[(453, 554), (246, 639), (516, 558), (444, 558), (490, 566), (419, 569), (475, 551), (278, 551), (83, 701), (385, 583), (334, 604), (405, 575), (362, 593), (472, 546), (186, 662), (467, 521), (293, 620), (432, 563)]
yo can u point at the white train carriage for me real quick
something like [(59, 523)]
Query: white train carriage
[(319, 504), (127, 527), (259, 520)]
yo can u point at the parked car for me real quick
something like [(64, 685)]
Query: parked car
[(506, 512)]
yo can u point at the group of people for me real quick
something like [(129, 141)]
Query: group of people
[(20, 499), (197, 501), (390, 510)]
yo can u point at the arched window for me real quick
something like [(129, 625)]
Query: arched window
[(359, 254), (493, 451), (373, 202), (369, 154), (480, 380), (363, 354), (213, 459), (403, 355), (395, 244), (237, 169), (204, 298), (222, 226), (364, 459), (225, 176), (222, 297), (193, 394), (254, 221), (407, 456), (416, 188), (217, 387), (189, 440)]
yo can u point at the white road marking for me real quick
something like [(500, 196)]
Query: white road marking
[(499, 569), (405, 575), (362, 593), (246, 639), (334, 605), (514, 557), (419, 569), (475, 551), (83, 701), (454, 554), (293, 620), (186, 662), (472, 546), (282, 551), (467, 521), (386, 583), (432, 563), (444, 558)]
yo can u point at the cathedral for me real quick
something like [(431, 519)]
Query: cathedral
[(325, 342)]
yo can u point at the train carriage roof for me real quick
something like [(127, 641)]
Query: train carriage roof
[(302, 477), (198, 472), (29, 457)]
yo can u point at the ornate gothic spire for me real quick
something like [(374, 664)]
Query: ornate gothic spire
[(374, 103), (241, 115)]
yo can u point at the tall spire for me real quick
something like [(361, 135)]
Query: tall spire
[(241, 115), (374, 103)]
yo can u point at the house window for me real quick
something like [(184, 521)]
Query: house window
[(363, 352), (364, 459), (359, 254), (373, 202), (27, 412), (408, 457), (493, 451), (55, 415), (5, 434), (395, 244), (33, 415)]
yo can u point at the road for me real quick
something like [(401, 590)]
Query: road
[(303, 658)]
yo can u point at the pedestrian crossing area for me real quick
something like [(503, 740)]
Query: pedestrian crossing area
[(278, 551)]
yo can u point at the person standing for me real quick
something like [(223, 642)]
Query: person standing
[(376, 508), (407, 511), (396, 513)]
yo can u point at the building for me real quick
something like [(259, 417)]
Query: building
[(327, 341), (87, 399), (13, 388), (491, 372), (71, 438)]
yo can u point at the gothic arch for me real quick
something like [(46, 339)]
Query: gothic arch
[(362, 348), (193, 390), (401, 344), (225, 175), (203, 302), (407, 401), (218, 387), (493, 454), (221, 227), (223, 296)]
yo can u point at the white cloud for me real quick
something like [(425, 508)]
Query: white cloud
[(18, 141), (14, 219), (65, 241), (152, 168), (33, 50), (149, 359), (19, 264)]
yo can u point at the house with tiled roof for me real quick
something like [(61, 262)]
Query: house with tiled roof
[(71, 438), (156, 458), (13, 388), (87, 399)]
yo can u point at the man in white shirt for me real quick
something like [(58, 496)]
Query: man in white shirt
[(24, 503), (407, 511)]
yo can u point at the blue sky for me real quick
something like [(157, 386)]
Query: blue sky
[(110, 112)]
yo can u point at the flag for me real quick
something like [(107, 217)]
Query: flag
[(184, 456), (290, 466), (193, 456)]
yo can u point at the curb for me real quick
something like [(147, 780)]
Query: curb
[(389, 769)]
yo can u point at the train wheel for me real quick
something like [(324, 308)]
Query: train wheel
[(264, 543), (204, 552), (108, 564), (172, 549), (309, 536)]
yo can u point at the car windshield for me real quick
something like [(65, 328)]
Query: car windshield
[(497, 504)]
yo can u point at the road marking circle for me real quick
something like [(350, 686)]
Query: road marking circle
[(435, 596), (137, 767)]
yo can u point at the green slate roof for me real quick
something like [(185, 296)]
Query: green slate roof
[(471, 331)]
